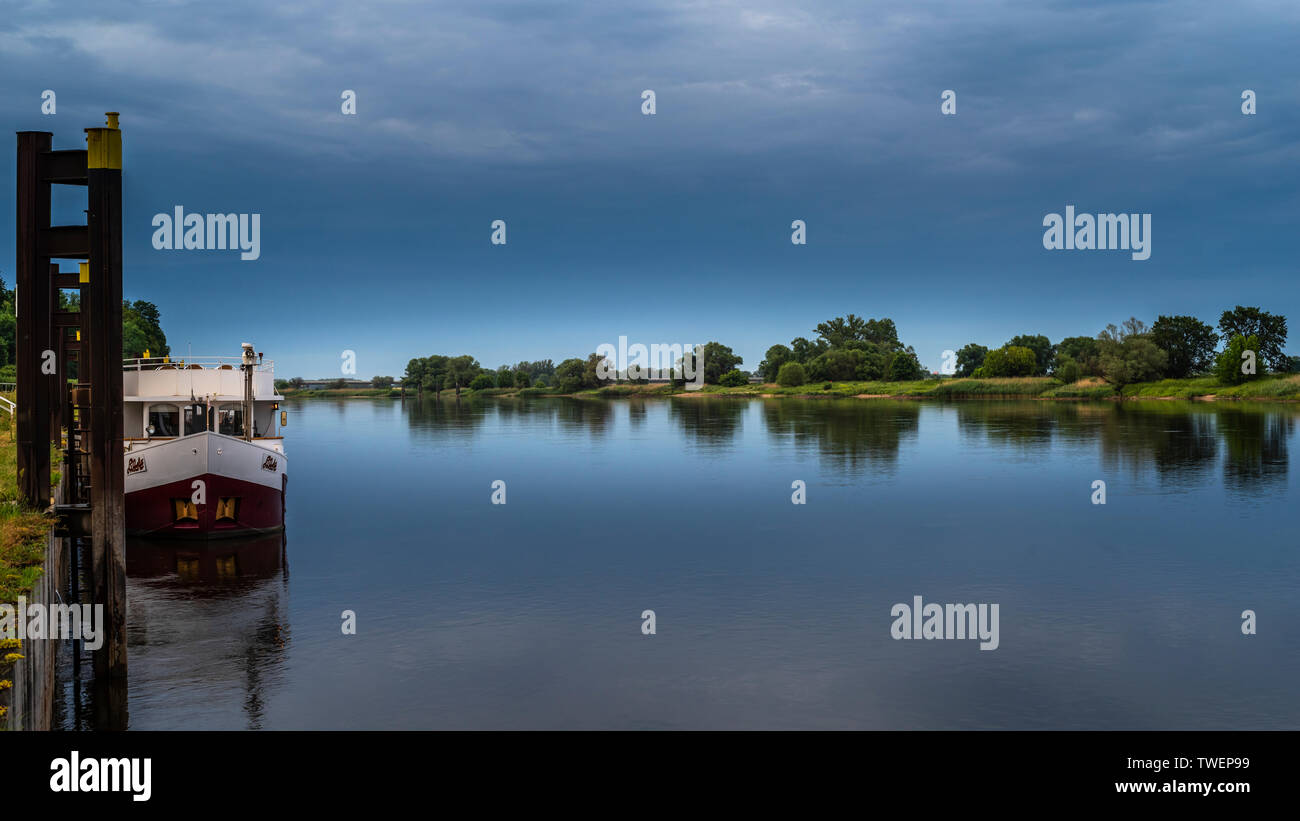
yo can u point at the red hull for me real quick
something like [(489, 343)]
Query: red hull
[(151, 512)]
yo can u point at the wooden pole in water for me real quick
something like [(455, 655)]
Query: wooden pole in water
[(104, 312)]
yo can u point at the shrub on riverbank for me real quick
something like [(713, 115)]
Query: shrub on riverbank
[(791, 375)]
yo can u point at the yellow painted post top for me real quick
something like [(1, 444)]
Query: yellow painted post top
[(84, 271), (104, 145)]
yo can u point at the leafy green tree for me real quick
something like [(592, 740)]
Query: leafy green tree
[(805, 351), (1067, 370), (777, 355), (734, 379), (792, 374), (522, 379), (8, 325), (716, 360), (1131, 357), (414, 376), (505, 378), (435, 372), (461, 370), (1081, 350), (1228, 367), (969, 358), (1270, 330), (592, 368), (904, 367), (569, 375), (1042, 348), (1009, 360), (837, 364), (873, 364), (381, 382), (1188, 342), (853, 331), (142, 331), (542, 367), (482, 382)]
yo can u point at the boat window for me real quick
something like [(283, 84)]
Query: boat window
[(230, 421), (165, 420), (194, 419)]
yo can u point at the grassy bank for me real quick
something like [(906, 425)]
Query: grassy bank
[(22, 530), (23, 536)]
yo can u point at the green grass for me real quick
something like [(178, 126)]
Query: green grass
[(22, 530), (1084, 389), (1025, 387), (1267, 386)]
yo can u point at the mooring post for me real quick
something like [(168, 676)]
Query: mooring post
[(104, 314), (33, 309)]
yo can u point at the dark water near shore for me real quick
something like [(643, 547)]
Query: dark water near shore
[(768, 614)]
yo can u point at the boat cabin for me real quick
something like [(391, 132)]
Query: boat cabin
[(165, 399)]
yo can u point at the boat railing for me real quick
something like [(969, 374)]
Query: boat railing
[(160, 363)]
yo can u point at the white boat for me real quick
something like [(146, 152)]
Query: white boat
[(204, 451)]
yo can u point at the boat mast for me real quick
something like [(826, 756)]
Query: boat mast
[(247, 367)]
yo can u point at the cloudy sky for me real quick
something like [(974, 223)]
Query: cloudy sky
[(375, 228)]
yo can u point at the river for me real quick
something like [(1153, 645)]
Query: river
[(767, 614)]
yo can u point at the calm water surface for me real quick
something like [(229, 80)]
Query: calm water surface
[(769, 615)]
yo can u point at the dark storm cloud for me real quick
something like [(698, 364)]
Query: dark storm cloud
[(766, 112)]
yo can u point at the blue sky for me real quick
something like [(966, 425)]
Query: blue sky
[(673, 227)]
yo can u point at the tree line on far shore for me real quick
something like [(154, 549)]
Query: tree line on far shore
[(851, 348), (1174, 347)]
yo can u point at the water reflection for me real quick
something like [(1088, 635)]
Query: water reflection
[(444, 418), (708, 423), (1180, 443), (1255, 454), (1026, 426), (207, 630), (851, 435)]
